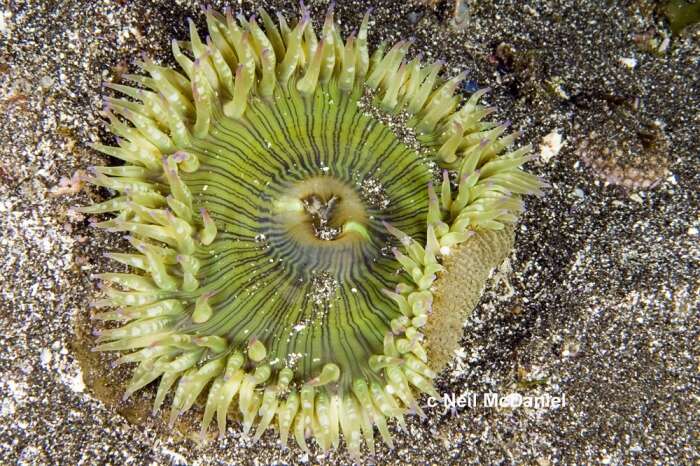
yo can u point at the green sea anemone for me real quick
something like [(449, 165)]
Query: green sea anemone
[(288, 244)]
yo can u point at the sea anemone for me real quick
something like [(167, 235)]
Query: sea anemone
[(626, 152), (289, 245)]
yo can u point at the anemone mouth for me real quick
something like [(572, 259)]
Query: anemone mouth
[(321, 209), (287, 243), (322, 224)]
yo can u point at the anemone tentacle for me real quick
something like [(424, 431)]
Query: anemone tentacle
[(286, 242)]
